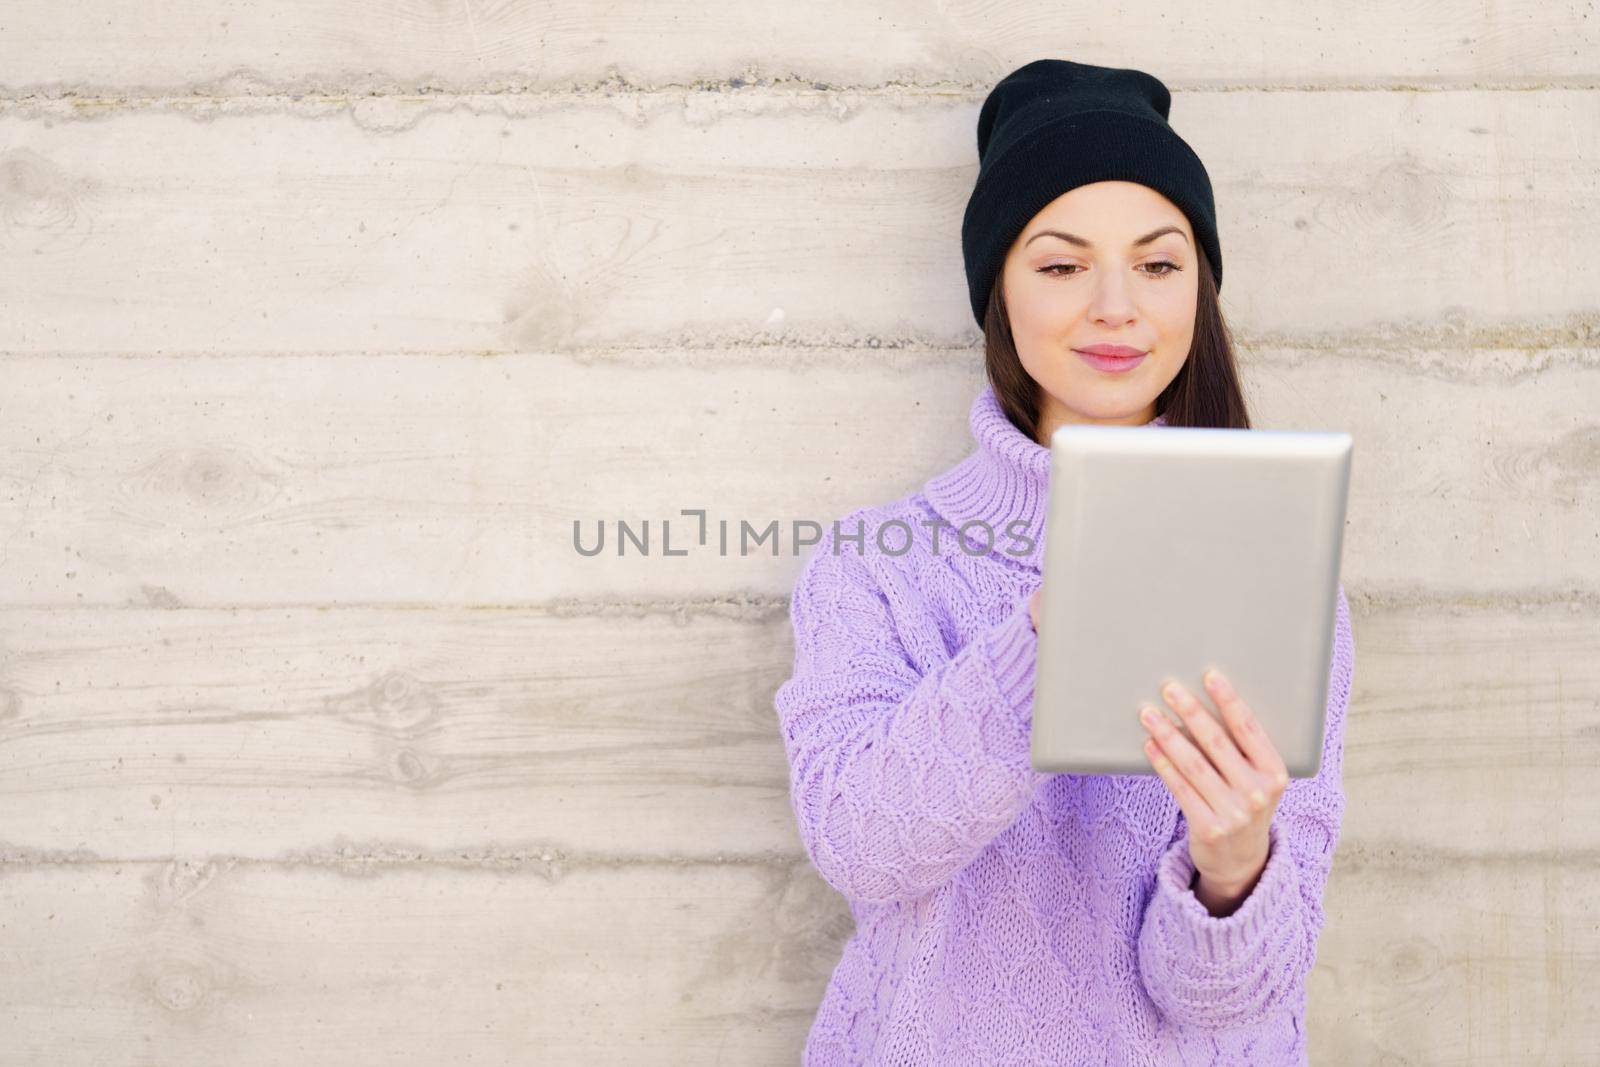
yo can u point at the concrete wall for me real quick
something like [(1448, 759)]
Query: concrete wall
[(321, 323)]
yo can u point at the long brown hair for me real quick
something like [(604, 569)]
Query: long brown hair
[(1205, 392)]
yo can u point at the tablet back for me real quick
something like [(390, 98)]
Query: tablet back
[(1171, 549)]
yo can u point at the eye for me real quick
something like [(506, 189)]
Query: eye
[(1068, 270)]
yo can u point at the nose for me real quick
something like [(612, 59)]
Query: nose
[(1111, 304)]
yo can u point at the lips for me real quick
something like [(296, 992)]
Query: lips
[(1112, 351), (1110, 364)]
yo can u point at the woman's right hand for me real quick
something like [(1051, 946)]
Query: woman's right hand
[(1033, 607)]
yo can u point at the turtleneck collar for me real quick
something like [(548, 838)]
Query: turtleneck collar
[(1005, 479)]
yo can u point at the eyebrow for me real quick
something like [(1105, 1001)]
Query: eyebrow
[(1072, 238)]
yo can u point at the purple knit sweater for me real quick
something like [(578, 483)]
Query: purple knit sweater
[(1005, 915)]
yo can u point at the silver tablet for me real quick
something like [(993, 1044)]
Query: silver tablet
[(1171, 549)]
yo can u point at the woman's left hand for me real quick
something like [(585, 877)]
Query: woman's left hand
[(1228, 788)]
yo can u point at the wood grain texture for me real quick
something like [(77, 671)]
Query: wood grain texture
[(207, 962), (409, 481), (658, 219), (201, 961), (184, 46), (611, 736)]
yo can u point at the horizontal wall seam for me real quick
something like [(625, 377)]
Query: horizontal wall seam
[(759, 606), (289, 93)]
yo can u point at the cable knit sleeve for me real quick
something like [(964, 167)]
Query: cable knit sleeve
[(898, 778), (1208, 972)]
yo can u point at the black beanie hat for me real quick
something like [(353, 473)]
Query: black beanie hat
[(1053, 125)]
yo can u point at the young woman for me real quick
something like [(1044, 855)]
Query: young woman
[(1003, 915)]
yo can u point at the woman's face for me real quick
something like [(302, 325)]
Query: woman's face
[(1075, 277)]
